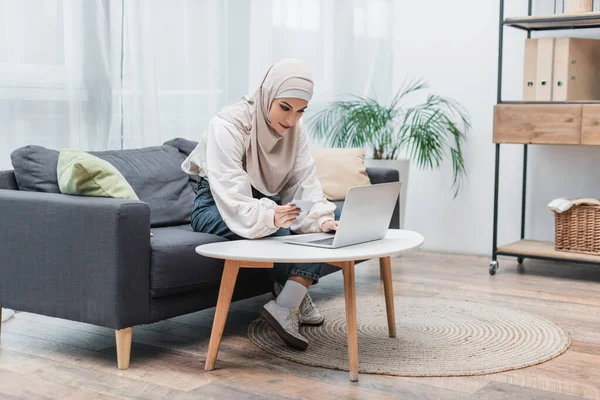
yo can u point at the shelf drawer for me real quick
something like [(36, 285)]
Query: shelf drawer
[(590, 134), (538, 123)]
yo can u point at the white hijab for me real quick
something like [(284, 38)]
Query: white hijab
[(270, 156)]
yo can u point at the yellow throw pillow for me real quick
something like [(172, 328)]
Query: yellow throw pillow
[(340, 169), (83, 174)]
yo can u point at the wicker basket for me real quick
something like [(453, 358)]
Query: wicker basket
[(578, 229)]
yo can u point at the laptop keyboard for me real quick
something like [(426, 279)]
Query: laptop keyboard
[(328, 241)]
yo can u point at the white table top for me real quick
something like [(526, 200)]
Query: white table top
[(275, 250)]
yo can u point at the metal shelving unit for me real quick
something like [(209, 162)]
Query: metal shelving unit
[(555, 22), (524, 248)]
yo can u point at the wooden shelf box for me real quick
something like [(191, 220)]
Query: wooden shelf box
[(558, 124)]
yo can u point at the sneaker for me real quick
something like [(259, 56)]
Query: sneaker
[(309, 313), (285, 323)]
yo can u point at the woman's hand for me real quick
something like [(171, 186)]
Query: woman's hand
[(285, 215), (329, 226)]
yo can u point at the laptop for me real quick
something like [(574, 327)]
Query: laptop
[(366, 217)]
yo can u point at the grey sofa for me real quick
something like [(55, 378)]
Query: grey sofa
[(92, 259)]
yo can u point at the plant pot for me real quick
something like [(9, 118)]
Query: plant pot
[(403, 167), (578, 6)]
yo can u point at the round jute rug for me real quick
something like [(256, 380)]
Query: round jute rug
[(435, 337)]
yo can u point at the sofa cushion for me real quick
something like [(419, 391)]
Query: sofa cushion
[(185, 148), (154, 173), (156, 176), (340, 169), (175, 267), (80, 173), (8, 181), (35, 169)]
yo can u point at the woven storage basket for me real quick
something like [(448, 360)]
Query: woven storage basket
[(578, 230)]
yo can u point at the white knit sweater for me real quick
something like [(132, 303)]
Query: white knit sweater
[(218, 158)]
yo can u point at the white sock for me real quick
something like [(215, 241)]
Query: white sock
[(292, 294)]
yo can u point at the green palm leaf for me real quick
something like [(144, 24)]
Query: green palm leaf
[(428, 131)]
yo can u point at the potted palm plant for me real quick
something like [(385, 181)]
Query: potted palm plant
[(426, 132)]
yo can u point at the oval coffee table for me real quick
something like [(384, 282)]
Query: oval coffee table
[(264, 252)]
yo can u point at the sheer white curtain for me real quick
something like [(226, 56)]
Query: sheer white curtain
[(347, 44), (173, 69), (55, 74), (109, 74), (184, 59)]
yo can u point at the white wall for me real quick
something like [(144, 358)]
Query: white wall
[(453, 45)]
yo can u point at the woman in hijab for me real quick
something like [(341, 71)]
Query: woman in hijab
[(253, 161)]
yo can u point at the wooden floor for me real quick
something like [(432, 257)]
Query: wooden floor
[(51, 358)]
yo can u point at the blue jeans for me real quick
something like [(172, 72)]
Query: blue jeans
[(206, 218)]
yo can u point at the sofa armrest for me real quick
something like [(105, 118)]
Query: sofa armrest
[(384, 175), (80, 258)]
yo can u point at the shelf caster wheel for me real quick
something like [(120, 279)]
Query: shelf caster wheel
[(520, 266), (493, 267)]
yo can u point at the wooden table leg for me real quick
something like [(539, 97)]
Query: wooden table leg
[(230, 273), (351, 330), (386, 270)]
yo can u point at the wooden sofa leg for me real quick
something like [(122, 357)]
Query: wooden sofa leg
[(123, 337)]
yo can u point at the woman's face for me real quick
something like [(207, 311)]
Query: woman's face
[(285, 113)]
